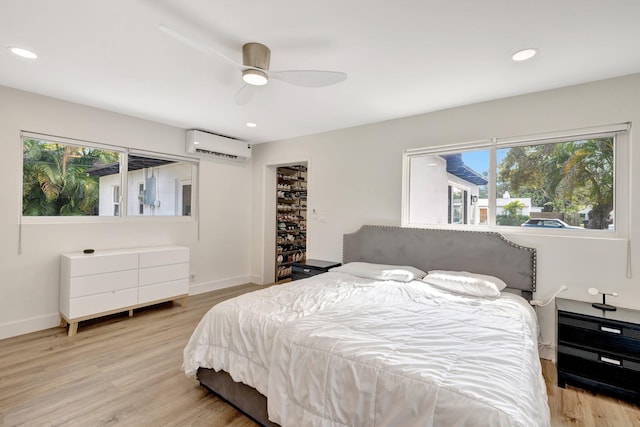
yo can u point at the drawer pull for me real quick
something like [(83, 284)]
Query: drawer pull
[(611, 361), (306, 270), (612, 330)]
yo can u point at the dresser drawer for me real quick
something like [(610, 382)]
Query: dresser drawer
[(166, 273), (101, 283), (163, 290), (97, 264), (100, 303), (157, 257)]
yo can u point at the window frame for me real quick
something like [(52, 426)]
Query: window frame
[(622, 184), (122, 183)]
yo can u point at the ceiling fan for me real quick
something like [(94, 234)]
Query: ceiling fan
[(255, 68)]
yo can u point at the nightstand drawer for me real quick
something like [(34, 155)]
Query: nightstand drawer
[(311, 267), (614, 338), (605, 368), (306, 271)]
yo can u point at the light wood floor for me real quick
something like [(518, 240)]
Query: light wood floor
[(126, 371)]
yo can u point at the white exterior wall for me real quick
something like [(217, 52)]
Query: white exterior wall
[(428, 189), (355, 178), (105, 201), (168, 179), (500, 202), (473, 211), (220, 246)]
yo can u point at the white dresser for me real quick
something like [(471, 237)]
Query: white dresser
[(107, 282)]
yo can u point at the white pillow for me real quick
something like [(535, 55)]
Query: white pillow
[(465, 283), (400, 273)]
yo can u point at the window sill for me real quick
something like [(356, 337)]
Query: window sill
[(49, 220), (529, 231)]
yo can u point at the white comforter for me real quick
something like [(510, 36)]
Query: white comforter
[(237, 335), (410, 355), (336, 350)]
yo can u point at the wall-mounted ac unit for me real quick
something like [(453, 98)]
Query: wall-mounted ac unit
[(210, 145)]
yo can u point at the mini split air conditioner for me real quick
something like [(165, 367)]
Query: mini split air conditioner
[(210, 145)]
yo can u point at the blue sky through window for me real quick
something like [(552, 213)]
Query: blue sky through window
[(479, 160)]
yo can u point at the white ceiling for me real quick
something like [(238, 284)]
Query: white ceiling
[(402, 57)]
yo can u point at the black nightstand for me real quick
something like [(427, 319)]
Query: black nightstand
[(598, 350), (311, 267)]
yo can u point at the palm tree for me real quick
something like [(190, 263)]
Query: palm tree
[(55, 182)]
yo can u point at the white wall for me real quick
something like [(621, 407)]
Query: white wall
[(29, 282), (355, 178)]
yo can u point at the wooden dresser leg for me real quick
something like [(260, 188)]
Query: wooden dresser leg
[(73, 328), (182, 302), (131, 313), (63, 322)]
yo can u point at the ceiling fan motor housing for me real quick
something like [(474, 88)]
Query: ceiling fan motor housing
[(256, 55)]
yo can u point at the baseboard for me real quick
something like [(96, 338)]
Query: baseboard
[(201, 288), (38, 323), (25, 326), (257, 280), (547, 351)]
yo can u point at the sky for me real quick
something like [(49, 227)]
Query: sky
[(479, 160)]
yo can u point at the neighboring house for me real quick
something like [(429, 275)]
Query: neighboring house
[(443, 190), (525, 202), (155, 188)]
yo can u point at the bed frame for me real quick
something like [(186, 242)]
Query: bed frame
[(427, 249)]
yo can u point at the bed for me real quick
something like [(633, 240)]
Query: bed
[(340, 349)]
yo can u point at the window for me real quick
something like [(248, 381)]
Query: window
[(57, 179), (445, 188), (116, 200), (64, 177), (561, 182), (571, 181), (141, 198), (155, 185)]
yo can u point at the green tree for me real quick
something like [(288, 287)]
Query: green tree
[(565, 176), (513, 208), (55, 181)]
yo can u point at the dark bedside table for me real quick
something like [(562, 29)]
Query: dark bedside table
[(311, 267), (598, 350)]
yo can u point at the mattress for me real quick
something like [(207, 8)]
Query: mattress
[(336, 349)]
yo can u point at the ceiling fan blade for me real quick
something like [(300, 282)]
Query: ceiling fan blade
[(309, 78), (197, 45), (245, 94)]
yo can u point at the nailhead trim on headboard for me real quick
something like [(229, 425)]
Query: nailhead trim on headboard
[(532, 251)]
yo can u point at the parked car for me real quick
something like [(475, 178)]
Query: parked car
[(547, 223)]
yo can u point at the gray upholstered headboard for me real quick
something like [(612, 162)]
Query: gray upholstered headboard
[(429, 249)]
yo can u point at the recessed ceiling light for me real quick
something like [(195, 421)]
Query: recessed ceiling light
[(524, 54), (22, 52), (251, 125)]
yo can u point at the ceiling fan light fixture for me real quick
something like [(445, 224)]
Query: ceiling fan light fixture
[(255, 77)]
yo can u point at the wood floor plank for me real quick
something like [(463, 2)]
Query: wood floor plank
[(122, 371)]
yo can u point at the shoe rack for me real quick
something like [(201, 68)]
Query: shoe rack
[(291, 219)]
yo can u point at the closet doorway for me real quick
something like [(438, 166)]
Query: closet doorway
[(291, 218)]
